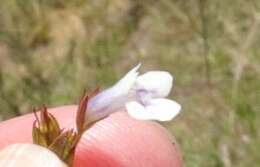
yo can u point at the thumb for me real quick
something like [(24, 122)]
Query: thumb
[(29, 155)]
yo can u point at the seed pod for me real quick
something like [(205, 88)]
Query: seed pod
[(29, 155)]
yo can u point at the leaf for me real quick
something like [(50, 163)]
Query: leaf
[(38, 137), (81, 113), (53, 127)]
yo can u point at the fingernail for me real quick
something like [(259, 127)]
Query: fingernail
[(29, 155)]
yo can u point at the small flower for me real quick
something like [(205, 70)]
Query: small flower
[(150, 104), (142, 96)]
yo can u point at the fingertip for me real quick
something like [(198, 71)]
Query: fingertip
[(121, 141)]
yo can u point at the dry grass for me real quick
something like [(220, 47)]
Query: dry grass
[(50, 51)]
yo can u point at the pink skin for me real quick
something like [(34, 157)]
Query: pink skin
[(117, 141)]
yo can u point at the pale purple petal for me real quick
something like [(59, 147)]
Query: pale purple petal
[(113, 98)]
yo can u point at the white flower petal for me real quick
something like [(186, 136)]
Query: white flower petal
[(158, 109), (158, 83), (163, 109), (137, 111), (114, 97)]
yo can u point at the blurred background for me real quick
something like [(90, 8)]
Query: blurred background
[(51, 50)]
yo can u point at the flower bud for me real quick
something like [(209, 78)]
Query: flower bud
[(29, 155)]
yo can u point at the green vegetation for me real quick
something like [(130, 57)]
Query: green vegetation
[(51, 50)]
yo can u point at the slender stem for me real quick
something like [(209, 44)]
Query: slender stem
[(205, 35)]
